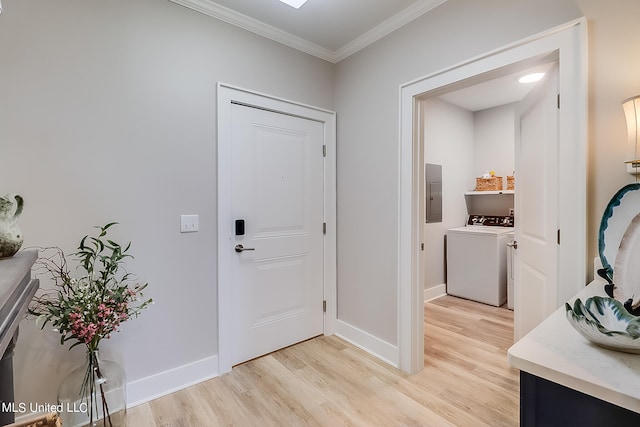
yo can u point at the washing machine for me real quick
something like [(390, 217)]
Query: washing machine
[(477, 259)]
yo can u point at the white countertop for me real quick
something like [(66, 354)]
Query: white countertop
[(557, 352)]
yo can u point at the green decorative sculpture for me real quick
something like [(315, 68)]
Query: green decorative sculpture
[(10, 235)]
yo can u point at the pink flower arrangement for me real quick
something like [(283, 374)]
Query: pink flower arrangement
[(93, 306), (89, 308)]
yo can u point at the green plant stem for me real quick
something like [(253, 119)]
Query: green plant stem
[(105, 404)]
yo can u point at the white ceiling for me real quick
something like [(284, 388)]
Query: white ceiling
[(495, 92), (329, 29)]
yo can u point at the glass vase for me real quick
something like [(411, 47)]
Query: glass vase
[(94, 394)]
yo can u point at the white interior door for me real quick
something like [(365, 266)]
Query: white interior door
[(536, 206), (277, 189)]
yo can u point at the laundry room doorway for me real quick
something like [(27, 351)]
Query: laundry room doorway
[(480, 130), (566, 45)]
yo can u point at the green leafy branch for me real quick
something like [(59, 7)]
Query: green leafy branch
[(91, 307)]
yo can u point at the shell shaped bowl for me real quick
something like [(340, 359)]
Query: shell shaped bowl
[(605, 322)]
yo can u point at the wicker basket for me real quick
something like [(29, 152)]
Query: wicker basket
[(489, 184), (511, 182), (49, 420)]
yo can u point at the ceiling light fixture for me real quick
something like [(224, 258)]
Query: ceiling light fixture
[(531, 78), (294, 3)]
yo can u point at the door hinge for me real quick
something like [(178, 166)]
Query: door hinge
[(422, 246), (324, 228), (558, 236), (324, 306), (558, 101), (324, 151)]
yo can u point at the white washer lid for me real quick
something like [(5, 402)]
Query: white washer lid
[(481, 230)]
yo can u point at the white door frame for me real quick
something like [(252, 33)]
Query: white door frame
[(569, 41), (227, 95)]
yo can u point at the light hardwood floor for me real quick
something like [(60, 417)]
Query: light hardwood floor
[(328, 382)]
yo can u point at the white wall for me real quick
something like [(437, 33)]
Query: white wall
[(366, 96), (495, 142), (107, 113), (494, 149), (449, 141)]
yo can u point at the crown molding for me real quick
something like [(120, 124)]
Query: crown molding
[(387, 27), (210, 8), (229, 16)]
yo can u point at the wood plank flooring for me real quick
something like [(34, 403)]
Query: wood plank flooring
[(329, 382)]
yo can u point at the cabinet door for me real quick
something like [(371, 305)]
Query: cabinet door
[(548, 404)]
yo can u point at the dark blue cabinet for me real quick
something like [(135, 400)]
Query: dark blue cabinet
[(544, 403)]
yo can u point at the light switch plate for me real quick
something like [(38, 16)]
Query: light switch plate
[(189, 223)]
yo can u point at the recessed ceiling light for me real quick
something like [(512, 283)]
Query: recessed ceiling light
[(531, 78), (294, 3)]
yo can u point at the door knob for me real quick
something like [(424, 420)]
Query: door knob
[(513, 244), (240, 248)]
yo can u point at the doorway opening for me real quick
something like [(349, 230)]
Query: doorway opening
[(471, 130), (568, 43)]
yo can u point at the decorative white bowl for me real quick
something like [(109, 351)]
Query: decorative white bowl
[(605, 322), (619, 246)]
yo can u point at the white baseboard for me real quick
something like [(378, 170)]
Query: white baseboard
[(167, 382), (435, 292), (158, 385), (367, 342)]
